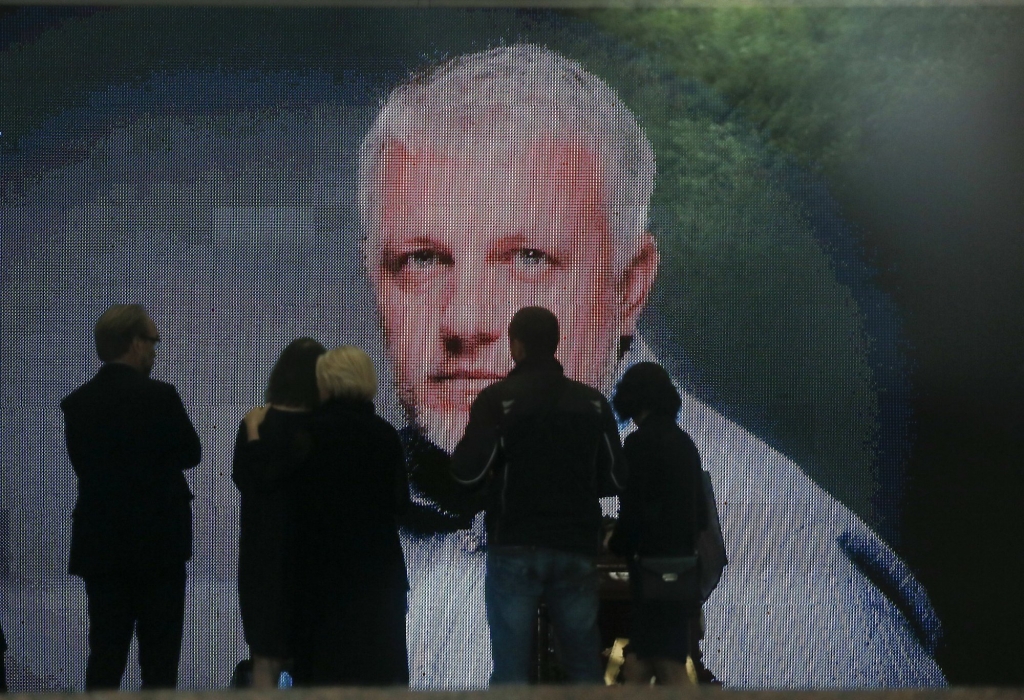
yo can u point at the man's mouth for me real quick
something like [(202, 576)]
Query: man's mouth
[(466, 376), (457, 389)]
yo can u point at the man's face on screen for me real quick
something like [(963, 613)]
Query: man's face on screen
[(468, 239)]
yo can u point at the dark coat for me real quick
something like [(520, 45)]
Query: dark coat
[(129, 440), (265, 473), (550, 446), (662, 508), (350, 571)]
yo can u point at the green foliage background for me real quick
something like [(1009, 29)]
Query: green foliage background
[(754, 298), (819, 81)]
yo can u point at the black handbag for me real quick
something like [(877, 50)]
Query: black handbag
[(669, 578), (687, 579)]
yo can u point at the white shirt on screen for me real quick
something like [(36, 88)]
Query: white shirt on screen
[(800, 604)]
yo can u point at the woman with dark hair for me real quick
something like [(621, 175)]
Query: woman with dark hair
[(661, 513), (272, 445)]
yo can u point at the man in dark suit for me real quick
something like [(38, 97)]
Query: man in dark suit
[(129, 440)]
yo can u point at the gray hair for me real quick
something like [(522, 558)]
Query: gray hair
[(346, 372), (501, 98)]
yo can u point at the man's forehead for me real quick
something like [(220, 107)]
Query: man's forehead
[(512, 155)]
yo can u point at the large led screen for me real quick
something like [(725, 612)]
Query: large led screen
[(404, 180)]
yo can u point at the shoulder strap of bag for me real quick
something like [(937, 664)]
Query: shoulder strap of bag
[(710, 542)]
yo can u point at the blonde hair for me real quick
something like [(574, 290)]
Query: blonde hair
[(346, 372)]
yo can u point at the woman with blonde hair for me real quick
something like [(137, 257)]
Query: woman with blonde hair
[(350, 572)]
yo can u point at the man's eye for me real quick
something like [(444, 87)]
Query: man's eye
[(532, 257), (420, 259)]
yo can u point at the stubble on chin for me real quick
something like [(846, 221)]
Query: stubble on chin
[(442, 429), (438, 409), (431, 423)]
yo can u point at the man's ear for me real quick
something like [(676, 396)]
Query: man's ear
[(515, 348), (132, 355), (135, 348), (636, 282)]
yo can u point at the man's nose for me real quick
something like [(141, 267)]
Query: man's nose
[(472, 318)]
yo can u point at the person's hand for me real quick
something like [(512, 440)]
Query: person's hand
[(252, 421)]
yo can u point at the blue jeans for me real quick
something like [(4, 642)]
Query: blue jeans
[(517, 580)]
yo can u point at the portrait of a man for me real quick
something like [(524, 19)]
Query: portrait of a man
[(481, 197), (514, 177)]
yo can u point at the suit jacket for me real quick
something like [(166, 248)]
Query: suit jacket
[(129, 438)]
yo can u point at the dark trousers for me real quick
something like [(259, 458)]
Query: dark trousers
[(516, 581), (151, 604)]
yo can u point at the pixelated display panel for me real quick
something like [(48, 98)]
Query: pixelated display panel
[(234, 171)]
